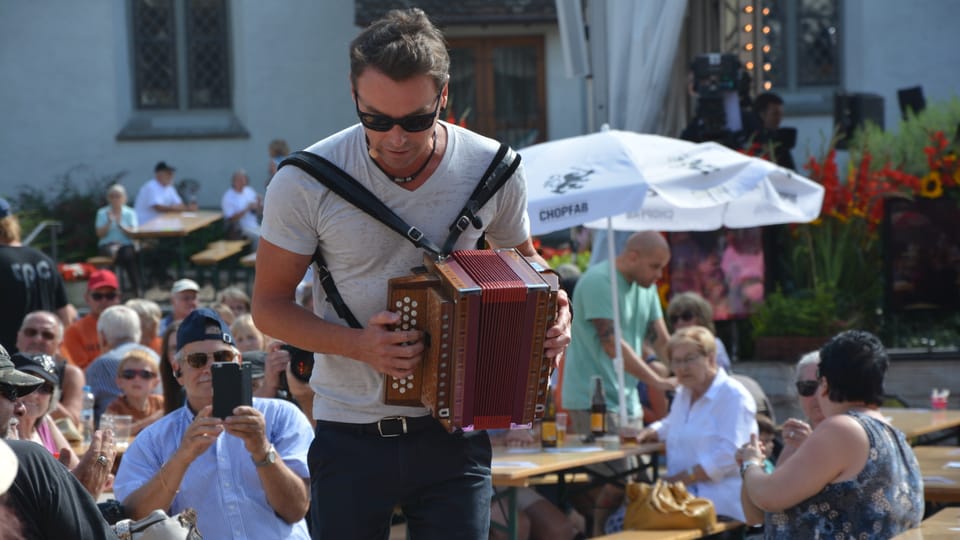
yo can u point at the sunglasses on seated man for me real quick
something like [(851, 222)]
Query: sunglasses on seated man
[(411, 123), (13, 393), (686, 316), (198, 360)]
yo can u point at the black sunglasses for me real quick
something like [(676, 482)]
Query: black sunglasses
[(106, 295), (45, 334), (130, 374), (686, 316), (10, 392), (411, 123), (46, 388), (198, 359), (807, 388)]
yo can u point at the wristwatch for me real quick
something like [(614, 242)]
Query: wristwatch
[(269, 459), (746, 465)]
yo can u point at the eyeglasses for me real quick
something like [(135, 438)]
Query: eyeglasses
[(807, 388), (101, 296), (10, 392), (45, 388), (686, 316), (689, 359), (130, 374), (411, 123), (45, 334), (199, 359)]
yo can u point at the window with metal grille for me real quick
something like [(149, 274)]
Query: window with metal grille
[(497, 87), (805, 46), (181, 57)]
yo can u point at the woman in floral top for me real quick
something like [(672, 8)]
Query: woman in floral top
[(855, 476)]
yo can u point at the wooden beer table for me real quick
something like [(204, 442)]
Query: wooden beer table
[(516, 468), (940, 526), (924, 426), (940, 467), (177, 225)]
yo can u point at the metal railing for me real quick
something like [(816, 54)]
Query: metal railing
[(49, 225)]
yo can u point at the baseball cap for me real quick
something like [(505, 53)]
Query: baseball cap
[(162, 166), (194, 328), (11, 376), (184, 284), (102, 278), (5, 209), (257, 361), (41, 365)]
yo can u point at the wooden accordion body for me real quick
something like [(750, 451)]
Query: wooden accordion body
[(485, 314)]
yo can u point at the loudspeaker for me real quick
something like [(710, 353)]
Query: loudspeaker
[(851, 111), (911, 98)]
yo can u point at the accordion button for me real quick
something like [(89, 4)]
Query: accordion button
[(413, 322), (414, 303), (410, 377), (399, 303), (403, 390), (413, 313)]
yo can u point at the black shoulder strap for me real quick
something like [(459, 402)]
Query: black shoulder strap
[(351, 191), (501, 168)]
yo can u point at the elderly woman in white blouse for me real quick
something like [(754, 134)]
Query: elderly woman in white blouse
[(711, 416)]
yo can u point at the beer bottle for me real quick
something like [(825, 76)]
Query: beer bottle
[(548, 425), (598, 409)]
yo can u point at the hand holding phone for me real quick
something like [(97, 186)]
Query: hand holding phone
[(232, 387)]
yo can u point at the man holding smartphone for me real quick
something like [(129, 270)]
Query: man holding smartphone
[(246, 474)]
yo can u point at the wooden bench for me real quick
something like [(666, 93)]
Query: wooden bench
[(675, 534), (216, 254), (100, 261), (249, 260)]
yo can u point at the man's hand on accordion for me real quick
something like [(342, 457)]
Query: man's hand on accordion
[(389, 352), (558, 335)]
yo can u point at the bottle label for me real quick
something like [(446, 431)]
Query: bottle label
[(596, 422)]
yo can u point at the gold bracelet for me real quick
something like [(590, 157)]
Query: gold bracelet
[(163, 482)]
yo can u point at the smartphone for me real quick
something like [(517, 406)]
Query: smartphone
[(232, 387)]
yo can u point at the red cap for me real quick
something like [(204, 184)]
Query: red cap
[(102, 278)]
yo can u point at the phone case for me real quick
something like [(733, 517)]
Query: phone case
[(232, 387)]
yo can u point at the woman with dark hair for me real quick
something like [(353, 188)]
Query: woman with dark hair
[(855, 475), (172, 391)]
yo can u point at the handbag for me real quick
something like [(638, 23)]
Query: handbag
[(667, 505), (159, 526)]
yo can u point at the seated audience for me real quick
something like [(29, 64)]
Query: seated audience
[(42, 333), (35, 424), (119, 330), (81, 339), (172, 391), (711, 416), (224, 312), (159, 195), (241, 206), (246, 334), (137, 378), (767, 433), (177, 462), (113, 224), (855, 470), (278, 149), (234, 297), (794, 430), (183, 300), (150, 315)]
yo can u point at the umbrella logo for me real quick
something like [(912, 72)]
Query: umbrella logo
[(574, 179)]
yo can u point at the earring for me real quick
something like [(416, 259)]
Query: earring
[(178, 373)]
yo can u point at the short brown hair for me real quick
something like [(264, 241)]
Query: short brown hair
[(698, 336), (9, 230), (402, 44), (137, 355)]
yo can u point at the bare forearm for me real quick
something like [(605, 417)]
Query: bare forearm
[(159, 491), (287, 321), (752, 513), (632, 363), (286, 492)]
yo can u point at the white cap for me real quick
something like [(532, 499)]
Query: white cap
[(184, 285)]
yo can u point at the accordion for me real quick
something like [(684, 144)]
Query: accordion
[(484, 314)]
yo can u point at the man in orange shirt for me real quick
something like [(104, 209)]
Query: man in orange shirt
[(81, 339)]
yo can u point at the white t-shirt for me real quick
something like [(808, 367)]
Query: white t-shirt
[(362, 254), (233, 202), (151, 194)]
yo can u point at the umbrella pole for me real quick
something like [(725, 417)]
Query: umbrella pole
[(617, 334)]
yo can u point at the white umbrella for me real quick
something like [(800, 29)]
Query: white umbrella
[(657, 183)]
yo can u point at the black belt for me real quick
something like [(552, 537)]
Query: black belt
[(391, 426)]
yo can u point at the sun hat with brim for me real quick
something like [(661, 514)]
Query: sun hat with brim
[(11, 376), (9, 466), (41, 365)]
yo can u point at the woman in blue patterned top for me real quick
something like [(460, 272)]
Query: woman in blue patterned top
[(855, 476)]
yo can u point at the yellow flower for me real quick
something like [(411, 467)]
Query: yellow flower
[(930, 186)]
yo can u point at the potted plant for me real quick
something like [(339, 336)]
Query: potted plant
[(785, 327)]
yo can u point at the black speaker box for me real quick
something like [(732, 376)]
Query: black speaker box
[(851, 111)]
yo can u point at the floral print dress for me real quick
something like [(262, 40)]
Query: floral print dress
[(885, 499)]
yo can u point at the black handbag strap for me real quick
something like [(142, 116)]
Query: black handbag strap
[(501, 168)]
